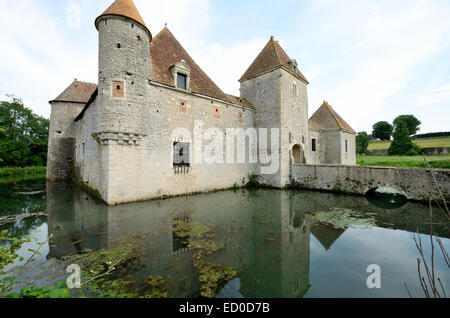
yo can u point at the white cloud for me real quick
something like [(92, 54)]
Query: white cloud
[(437, 92), (184, 17), (382, 60), (37, 61), (372, 51), (41, 58), (189, 20), (226, 65)]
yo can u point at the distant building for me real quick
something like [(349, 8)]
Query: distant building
[(120, 136)]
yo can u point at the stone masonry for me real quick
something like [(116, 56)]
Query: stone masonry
[(153, 104)]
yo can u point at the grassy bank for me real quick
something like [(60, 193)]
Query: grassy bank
[(438, 162), (19, 172), (439, 142)]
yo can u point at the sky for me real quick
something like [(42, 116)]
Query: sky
[(372, 60)]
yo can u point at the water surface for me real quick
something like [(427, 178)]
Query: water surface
[(279, 247)]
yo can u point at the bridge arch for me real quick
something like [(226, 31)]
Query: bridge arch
[(386, 197)]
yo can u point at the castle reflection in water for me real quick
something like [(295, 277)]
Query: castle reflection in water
[(266, 233)]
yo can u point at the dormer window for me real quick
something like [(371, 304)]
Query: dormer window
[(181, 81), (293, 63), (181, 75)]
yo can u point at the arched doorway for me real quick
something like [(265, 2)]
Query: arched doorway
[(298, 155)]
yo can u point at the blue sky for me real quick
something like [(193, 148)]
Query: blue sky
[(372, 60)]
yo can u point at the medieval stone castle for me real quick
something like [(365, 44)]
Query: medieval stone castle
[(134, 135)]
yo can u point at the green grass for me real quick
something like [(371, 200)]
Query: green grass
[(439, 142), (17, 171), (438, 162)]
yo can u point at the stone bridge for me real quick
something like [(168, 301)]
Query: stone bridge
[(415, 183)]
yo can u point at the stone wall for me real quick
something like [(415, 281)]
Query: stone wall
[(294, 122), (317, 156), (61, 139), (378, 152), (124, 61), (264, 93), (279, 106), (331, 148), (414, 183), (348, 153), (124, 171), (90, 155), (427, 151)]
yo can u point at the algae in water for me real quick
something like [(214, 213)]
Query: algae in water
[(341, 218)]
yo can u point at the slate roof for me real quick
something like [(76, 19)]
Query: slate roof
[(326, 119), (166, 51), (124, 8), (77, 92), (270, 58)]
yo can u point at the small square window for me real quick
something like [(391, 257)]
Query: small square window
[(182, 105), (216, 111), (118, 89), (182, 81)]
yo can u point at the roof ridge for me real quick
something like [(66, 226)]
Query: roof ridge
[(76, 92), (328, 106), (276, 51), (271, 57), (84, 82), (159, 33)]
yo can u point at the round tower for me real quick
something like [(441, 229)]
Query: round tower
[(124, 70)]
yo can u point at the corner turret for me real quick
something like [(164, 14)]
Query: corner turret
[(124, 69)]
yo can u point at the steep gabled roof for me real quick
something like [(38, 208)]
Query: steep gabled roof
[(165, 52), (124, 8), (326, 119), (77, 92), (270, 58)]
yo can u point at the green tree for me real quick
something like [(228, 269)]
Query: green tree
[(382, 130), (23, 135), (403, 143), (362, 143), (411, 121)]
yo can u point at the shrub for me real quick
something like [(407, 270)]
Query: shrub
[(253, 180), (403, 143)]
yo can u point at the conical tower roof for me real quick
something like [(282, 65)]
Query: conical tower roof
[(126, 9), (270, 58)]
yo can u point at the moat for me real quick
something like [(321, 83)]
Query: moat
[(281, 243)]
